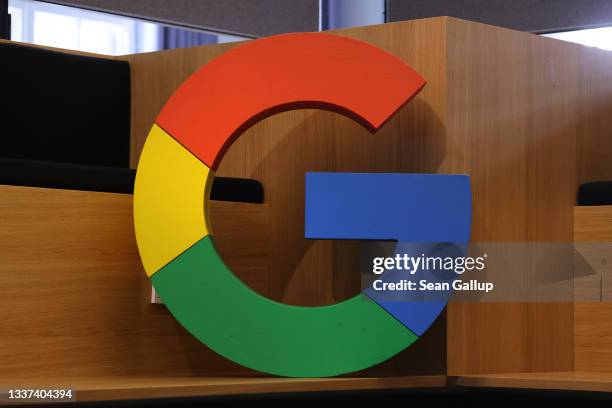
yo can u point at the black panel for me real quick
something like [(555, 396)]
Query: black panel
[(5, 21), (246, 17), (66, 124), (595, 193), (43, 174), (524, 15), (64, 108)]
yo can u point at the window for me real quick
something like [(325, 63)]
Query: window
[(83, 30), (91, 31)]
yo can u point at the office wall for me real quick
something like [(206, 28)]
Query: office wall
[(245, 17), (524, 15)]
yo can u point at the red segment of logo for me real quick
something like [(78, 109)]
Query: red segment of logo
[(292, 71)]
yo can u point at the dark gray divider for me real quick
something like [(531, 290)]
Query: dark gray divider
[(538, 16), (251, 18)]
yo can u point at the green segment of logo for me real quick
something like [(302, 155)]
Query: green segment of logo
[(217, 308)]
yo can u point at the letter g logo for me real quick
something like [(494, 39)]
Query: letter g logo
[(171, 198)]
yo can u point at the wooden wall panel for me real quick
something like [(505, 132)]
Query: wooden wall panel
[(593, 320), (514, 104), (594, 144), (593, 223), (593, 336), (74, 299)]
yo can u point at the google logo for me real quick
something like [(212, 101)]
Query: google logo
[(171, 199)]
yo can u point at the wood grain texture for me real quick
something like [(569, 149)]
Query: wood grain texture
[(593, 223), (568, 380), (516, 111), (593, 320), (594, 143), (74, 300), (593, 336), (134, 388)]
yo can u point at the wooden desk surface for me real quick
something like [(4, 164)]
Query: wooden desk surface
[(134, 388), (129, 388), (567, 380)]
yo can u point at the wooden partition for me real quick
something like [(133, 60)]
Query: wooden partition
[(75, 299), (593, 320), (514, 101)]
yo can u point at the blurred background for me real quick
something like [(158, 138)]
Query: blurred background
[(116, 27)]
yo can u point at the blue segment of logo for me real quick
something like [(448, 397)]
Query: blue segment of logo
[(420, 211)]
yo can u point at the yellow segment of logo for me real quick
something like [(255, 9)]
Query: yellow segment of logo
[(169, 196)]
